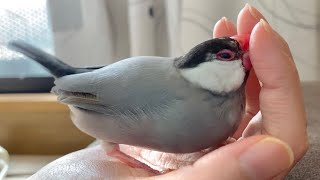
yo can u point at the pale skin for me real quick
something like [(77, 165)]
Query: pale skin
[(273, 130)]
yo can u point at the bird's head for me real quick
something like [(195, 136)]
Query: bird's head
[(219, 65)]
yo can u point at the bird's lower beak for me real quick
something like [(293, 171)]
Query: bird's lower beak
[(244, 43)]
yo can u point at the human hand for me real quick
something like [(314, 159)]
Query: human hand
[(276, 109)]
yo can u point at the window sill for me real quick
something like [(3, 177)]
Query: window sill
[(38, 124), (27, 84)]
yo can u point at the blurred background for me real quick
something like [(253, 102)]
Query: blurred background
[(96, 32), (99, 32)]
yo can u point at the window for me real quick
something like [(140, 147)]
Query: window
[(27, 21)]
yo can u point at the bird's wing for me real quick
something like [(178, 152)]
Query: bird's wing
[(144, 102), (128, 86)]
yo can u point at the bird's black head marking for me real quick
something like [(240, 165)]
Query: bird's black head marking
[(223, 48)]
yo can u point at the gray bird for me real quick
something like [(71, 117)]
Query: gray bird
[(177, 105)]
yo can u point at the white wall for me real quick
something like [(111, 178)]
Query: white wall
[(110, 30), (82, 36), (199, 16)]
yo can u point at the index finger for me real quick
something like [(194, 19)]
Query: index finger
[(281, 101)]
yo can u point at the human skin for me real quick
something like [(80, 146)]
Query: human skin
[(273, 130)]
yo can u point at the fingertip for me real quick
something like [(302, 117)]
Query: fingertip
[(260, 47), (261, 41), (272, 65), (229, 25), (277, 40), (223, 28), (254, 12), (248, 17)]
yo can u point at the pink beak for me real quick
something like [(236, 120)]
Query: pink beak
[(244, 43)]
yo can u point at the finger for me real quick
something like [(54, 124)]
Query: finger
[(257, 157), (284, 45), (252, 91), (247, 19), (281, 102), (224, 28), (254, 127)]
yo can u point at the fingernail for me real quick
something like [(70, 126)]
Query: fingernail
[(265, 25), (225, 21), (266, 159), (253, 11)]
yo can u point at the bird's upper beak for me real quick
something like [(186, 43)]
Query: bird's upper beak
[(244, 43)]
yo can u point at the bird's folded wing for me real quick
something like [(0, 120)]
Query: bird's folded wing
[(129, 86)]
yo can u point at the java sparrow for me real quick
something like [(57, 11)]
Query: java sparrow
[(176, 105)]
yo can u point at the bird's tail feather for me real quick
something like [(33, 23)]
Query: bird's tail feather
[(54, 65)]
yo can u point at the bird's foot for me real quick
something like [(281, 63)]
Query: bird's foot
[(130, 161)]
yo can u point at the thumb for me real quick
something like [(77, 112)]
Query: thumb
[(256, 157)]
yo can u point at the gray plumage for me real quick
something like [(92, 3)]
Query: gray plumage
[(144, 101)]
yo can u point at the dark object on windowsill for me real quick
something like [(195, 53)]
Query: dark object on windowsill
[(23, 76), (26, 85)]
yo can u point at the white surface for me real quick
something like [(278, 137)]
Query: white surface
[(4, 160)]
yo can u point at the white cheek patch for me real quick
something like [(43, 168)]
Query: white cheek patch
[(216, 76)]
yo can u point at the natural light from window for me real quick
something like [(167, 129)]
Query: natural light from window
[(25, 20)]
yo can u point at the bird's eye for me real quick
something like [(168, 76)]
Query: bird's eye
[(225, 55)]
